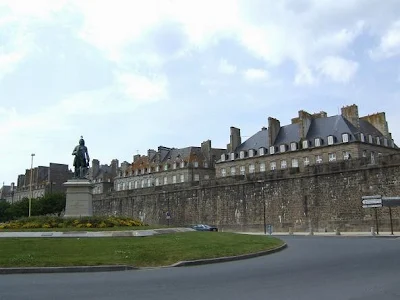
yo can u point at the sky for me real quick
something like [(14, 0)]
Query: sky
[(134, 75)]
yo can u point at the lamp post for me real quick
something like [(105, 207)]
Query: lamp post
[(30, 186)]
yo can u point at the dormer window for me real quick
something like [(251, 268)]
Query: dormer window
[(261, 151), (362, 137), (330, 140), (378, 140), (183, 163), (223, 156), (174, 166), (205, 165), (293, 146), (196, 164), (149, 169), (251, 152), (272, 150), (233, 156), (143, 171), (317, 142), (158, 169), (242, 154), (165, 167), (345, 137), (282, 148), (392, 143), (370, 139), (385, 142), (305, 144), (136, 172)]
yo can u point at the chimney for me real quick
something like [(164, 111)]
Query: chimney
[(321, 114), (378, 120), (114, 167), (305, 120), (351, 114), (136, 157), (235, 140), (273, 129), (95, 167), (206, 149)]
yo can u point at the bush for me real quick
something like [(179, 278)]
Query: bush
[(58, 222)]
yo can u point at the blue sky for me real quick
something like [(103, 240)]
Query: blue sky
[(133, 75)]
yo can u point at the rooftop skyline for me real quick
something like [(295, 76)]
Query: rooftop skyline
[(132, 75)]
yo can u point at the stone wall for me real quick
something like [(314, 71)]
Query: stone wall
[(323, 197)]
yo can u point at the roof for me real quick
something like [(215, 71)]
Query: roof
[(260, 139)]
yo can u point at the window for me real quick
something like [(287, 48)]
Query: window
[(293, 146), (305, 144), (124, 186), (206, 177), (332, 156), (165, 167), (174, 179), (157, 181), (317, 142), (330, 140), (385, 142), (378, 140), (149, 182), (196, 177), (251, 152), (222, 157), (273, 165), (130, 185), (345, 137), (136, 172), (282, 148), (306, 161), (372, 157), (318, 159), (205, 165), (233, 171), (182, 177), (295, 163), (143, 183), (165, 180), (136, 184), (223, 172), (283, 164), (262, 167), (362, 137), (346, 155), (158, 169), (242, 170), (251, 168), (392, 143), (143, 171), (370, 139), (232, 156), (261, 151), (196, 164), (272, 150), (182, 164), (379, 154), (174, 166), (242, 154)]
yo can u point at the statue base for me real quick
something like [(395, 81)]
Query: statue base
[(79, 198)]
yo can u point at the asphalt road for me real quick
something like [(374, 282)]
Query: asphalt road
[(336, 268)]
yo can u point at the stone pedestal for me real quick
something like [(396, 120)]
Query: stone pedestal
[(79, 198)]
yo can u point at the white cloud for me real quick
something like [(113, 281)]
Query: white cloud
[(226, 68), (389, 43), (338, 69), (305, 76), (255, 74)]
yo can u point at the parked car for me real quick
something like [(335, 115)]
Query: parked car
[(204, 227)]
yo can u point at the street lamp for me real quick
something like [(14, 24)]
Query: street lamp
[(30, 186)]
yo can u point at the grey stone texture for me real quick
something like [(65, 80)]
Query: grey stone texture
[(79, 198)]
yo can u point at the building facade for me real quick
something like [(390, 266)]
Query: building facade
[(102, 176), (168, 166), (310, 139)]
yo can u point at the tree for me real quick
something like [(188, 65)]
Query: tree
[(4, 213)]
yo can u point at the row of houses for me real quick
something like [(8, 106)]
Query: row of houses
[(310, 139)]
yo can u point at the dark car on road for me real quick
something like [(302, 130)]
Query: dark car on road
[(204, 227)]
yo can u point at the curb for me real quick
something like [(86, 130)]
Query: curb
[(227, 258), (74, 269), (79, 269)]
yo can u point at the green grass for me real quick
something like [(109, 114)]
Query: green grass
[(157, 250), (116, 228)]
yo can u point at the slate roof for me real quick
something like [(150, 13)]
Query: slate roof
[(319, 128)]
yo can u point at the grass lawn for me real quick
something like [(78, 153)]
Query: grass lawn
[(122, 228), (157, 250)]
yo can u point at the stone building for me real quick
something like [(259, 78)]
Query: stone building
[(168, 166), (310, 139), (45, 180), (103, 176)]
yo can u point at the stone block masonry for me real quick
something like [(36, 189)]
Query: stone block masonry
[(322, 197)]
